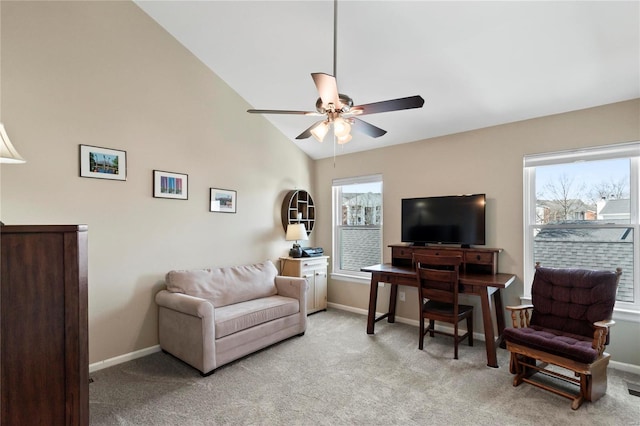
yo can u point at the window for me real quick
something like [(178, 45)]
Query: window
[(357, 224), (582, 210)]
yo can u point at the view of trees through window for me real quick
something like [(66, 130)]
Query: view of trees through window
[(580, 191), (583, 218)]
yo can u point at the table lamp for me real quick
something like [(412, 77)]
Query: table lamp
[(296, 232), (8, 153)]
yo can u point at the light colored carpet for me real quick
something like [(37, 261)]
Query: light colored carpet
[(336, 374)]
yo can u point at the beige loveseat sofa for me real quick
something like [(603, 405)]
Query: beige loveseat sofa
[(210, 317)]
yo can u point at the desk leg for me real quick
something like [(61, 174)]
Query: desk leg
[(497, 304), (489, 337), (373, 300), (393, 297)]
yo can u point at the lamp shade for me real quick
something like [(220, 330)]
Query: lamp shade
[(296, 232), (344, 139), (341, 127), (320, 131), (8, 154)]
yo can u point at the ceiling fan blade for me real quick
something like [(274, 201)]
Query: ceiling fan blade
[(327, 88), (282, 111), (390, 105), (307, 133), (366, 128)]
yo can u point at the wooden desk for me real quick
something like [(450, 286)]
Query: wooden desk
[(478, 284)]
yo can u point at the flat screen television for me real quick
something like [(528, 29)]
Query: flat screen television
[(455, 219)]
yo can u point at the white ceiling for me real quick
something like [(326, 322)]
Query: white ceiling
[(476, 64)]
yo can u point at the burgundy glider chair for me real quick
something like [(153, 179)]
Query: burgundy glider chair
[(566, 333)]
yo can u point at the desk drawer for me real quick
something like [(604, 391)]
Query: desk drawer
[(398, 280), (440, 252), (478, 258), (469, 289), (386, 278), (402, 252)]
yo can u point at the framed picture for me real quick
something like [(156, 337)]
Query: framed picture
[(103, 163), (223, 200), (170, 185)]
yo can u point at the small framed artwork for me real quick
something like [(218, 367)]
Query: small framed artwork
[(170, 185), (223, 200), (103, 163)]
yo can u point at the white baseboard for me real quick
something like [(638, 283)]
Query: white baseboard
[(123, 358), (476, 335), (621, 366)]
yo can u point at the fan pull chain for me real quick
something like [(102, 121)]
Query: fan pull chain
[(334, 150)]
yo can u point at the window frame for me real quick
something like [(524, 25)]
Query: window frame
[(336, 224), (623, 310)]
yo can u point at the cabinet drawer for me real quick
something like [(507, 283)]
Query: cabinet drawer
[(316, 264), (311, 266), (478, 258)]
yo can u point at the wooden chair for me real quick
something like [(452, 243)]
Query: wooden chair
[(568, 328), (438, 288)]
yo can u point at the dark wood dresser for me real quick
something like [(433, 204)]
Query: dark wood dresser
[(44, 359)]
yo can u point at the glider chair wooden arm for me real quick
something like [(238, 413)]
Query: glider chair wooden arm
[(563, 334), (520, 315)]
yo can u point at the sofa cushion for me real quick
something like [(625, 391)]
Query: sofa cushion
[(240, 316), (225, 286), (566, 345)]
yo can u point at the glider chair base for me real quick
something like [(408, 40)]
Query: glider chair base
[(591, 379)]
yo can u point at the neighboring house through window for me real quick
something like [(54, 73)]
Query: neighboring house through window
[(357, 224), (582, 211)]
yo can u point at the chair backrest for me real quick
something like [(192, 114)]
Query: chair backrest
[(571, 300), (438, 277)]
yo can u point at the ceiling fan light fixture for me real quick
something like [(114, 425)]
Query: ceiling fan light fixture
[(320, 131), (344, 139), (341, 127), (338, 108)]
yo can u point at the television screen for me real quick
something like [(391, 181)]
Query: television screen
[(456, 219)]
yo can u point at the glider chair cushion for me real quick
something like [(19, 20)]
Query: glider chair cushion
[(567, 325)]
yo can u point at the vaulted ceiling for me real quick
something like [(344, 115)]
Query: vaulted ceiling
[(476, 64)]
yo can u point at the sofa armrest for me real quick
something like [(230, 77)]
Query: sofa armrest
[(520, 315), (186, 329), (294, 287), (185, 304)]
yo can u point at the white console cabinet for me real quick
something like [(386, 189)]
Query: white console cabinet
[(314, 270)]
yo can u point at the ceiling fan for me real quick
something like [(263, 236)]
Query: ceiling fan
[(338, 109)]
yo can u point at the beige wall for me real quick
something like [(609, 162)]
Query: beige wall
[(105, 74), (482, 161)]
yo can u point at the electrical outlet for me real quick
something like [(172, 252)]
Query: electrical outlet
[(401, 294)]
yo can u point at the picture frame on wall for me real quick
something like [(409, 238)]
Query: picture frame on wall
[(223, 200), (170, 185), (103, 163)]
